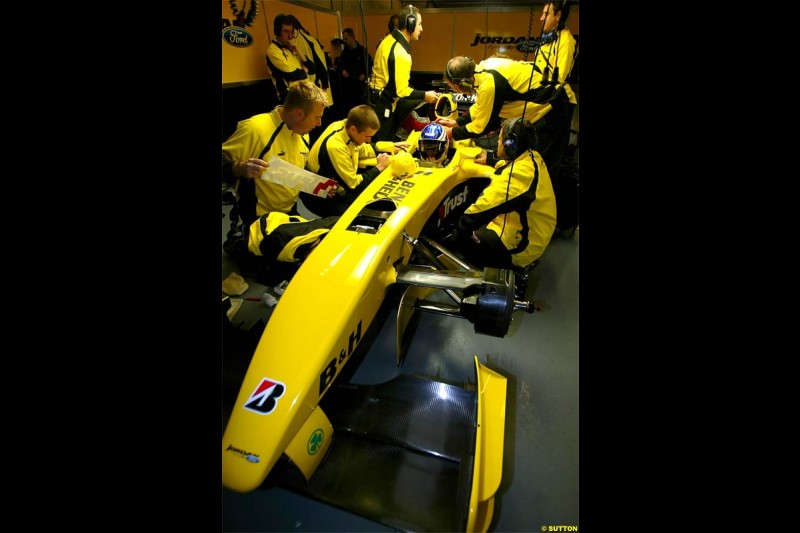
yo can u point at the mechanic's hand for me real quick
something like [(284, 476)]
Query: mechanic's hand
[(481, 159), (431, 97), (475, 238), (447, 122), (383, 161), (333, 190), (252, 168)]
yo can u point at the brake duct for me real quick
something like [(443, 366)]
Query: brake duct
[(485, 298)]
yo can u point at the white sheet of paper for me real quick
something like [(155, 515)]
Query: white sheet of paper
[(284, 173)]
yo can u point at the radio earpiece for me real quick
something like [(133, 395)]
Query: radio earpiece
[(464, 83)]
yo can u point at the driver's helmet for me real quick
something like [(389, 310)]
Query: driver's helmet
[(433, 143)]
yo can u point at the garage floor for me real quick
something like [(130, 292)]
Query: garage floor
[(539, 356)]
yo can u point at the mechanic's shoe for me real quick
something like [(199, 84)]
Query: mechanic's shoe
[(236, 243), (521, 279), (565, 233)]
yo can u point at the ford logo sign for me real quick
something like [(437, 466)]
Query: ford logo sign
[(252, 458), (236, 36), (527, 46)]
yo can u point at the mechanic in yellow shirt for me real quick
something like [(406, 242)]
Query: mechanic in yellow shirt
[(287, 63), (311, 48), (504, 87), (513, 219), (283, 133), (391, 96), (336, 154)]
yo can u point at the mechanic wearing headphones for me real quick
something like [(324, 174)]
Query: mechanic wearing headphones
[(513, 219), (391, 96), (501, 88), (336, 154)]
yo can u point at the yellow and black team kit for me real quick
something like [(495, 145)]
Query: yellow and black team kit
[(263, 136), (502, 88), (312, 49), (514, 217), (555, 60), (334, 155), (286, 238), (501, 93), (286, 68), (389, 84)]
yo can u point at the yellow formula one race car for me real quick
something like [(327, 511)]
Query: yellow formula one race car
[(411, 453)]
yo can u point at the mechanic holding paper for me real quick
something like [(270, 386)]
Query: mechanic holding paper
[(283, 133)]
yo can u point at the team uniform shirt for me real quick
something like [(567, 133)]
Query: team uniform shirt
[(562, 52), (501, 87), (251, 137), (286, 67), (391, 71), (287, 238), (527, 207), (336, 156), (501, 90), (312, 49)]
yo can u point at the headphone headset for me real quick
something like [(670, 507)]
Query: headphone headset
[(519, 138), (411, 20), (549, 37), (465, 84)]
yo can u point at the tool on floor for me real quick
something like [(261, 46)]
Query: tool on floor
[(269, 299), (281, 287)]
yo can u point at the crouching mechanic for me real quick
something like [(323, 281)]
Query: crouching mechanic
[(336, 155), (512, 221), (282, 133), (272, 248)]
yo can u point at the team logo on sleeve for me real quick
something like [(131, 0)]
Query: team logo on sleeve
[(265, 397)]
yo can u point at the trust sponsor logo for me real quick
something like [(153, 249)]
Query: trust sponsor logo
[(451, 202)]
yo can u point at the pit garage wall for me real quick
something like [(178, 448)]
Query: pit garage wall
[(248, 89), (446, 33), (247, 64)]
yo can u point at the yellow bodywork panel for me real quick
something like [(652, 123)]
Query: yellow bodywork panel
[(311, 443), (324, 313), (488, 466)]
